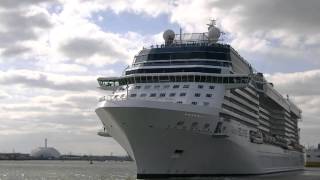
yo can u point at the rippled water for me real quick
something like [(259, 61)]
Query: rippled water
[(83, 170)]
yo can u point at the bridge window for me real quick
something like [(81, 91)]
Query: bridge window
[(157, 86), (197, 94), (183, 94), (172, 94), (153, 95), (166, 86), (175, 86), (186, 86), (147, 87), (133, 95), (206, 103), (137, 87), (143, 95)]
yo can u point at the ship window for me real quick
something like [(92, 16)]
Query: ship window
[(211, 87), (208, 95), (147, 87), (197, 94), (206, 103), (179, 102), (186, 86), (133, 95), (162, 94), (206, 126), (200, 86), (175, 86), (194, 103), (182, 94), (137, 87), (143, 95), (153, 95), (172, 94), (120, 88), (178, 151), (166, 86), (197, 78), (157, 86)]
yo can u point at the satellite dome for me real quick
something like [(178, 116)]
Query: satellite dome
[(45, 152), (213, 34), (168, 36)]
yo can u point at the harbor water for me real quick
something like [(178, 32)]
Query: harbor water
[(111, 170)]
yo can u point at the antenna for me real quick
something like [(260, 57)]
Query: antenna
[(180, 35)]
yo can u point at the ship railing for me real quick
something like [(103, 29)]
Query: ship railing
[(229, 80)]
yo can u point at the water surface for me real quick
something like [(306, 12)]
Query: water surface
[(83, 170)]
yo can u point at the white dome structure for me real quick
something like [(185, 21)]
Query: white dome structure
[(168, 36), (45, 152), (213, 32)]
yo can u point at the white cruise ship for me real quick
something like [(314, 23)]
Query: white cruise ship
[(194, 107)]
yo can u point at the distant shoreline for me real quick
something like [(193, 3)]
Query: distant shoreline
[(21, 156)]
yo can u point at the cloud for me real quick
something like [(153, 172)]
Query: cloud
[(34, 79), (19, 3), (298, 83)]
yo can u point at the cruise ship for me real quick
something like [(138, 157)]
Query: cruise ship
[(193, 106)]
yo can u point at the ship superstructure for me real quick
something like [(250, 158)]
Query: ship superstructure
[(194, 107)]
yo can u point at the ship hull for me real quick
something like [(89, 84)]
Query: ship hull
[(152, 134)]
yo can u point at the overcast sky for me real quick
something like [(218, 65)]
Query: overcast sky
[(52, 51)]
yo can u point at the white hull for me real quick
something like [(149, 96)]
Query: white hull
[(148, 131)]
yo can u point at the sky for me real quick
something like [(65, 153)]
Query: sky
[(52, 51)]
